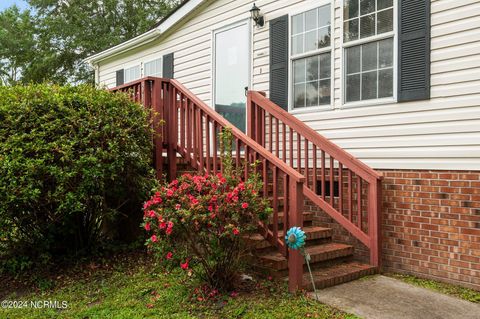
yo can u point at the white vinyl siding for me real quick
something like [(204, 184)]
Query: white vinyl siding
[(441, 133)]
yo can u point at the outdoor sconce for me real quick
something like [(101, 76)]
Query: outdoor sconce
[(255, 13)]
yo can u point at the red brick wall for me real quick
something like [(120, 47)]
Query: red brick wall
[(431, 224)]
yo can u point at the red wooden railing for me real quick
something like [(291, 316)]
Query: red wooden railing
[(341, 185), (191, 129)]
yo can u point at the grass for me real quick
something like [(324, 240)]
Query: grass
[(138, 288), (452, 290)]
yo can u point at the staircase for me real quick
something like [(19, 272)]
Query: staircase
[(297, 165)]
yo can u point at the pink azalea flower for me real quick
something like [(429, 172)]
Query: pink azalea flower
[(162, 225), (184, 266), (244, 205), (169, 193), (169, 255), (147, 226), (235, 231), (154, 238), (178, 206), (169, 230), (151, 213)]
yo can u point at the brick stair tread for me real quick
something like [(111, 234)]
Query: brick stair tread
[(338, 274), (318, 253)]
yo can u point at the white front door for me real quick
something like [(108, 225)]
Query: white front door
[(232, 72)]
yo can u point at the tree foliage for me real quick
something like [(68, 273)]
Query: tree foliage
[(55, 37)]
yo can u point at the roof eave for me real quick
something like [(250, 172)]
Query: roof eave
[(182, 11)]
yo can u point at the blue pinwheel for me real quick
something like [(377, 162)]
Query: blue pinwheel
[(295, 238)]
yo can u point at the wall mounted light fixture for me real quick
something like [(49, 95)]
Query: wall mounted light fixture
[(256, 16)]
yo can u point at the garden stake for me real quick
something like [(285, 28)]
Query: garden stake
[(295, 239)]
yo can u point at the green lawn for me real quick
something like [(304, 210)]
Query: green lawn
[(139, 289), (453, 290)]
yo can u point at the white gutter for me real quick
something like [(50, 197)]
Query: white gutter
[(148, 36)]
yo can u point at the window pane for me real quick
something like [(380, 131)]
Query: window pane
[(312, 94), (323, 37), (325, 65), (385, 53), (297, 24), (350, 30), (350, 9), (311, 41), (353, 88), (369, 56), (299, 71), (385, 21), (385, 83), (353, 59), (369, 85), (367, 26), (312, 68), (367, 6), (325, 92), (299, 95), (324, 16), (311, 20), (383, 4), (297, 44), (153, 68)]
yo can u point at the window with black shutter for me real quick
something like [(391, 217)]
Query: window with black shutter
[(120, 77), (168, 71), (279, 61)]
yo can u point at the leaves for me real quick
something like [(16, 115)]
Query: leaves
[(50, 42)]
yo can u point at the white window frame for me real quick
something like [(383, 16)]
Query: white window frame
[(394, 36), (139, 66), (312, 4), (150, 61)]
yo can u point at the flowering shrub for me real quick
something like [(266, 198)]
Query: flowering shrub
[(203, 220)]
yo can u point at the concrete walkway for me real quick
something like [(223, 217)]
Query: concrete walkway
[(381, 297)]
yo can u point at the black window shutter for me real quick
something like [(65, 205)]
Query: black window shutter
[(120, 77), (414, 50), (168, 66), (279, 61)]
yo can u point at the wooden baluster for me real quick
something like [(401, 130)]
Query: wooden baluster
[(275, 205), (340, 187), (200, 141), (157, 105), (182, 122), (299, 153), (207, 142), (286, 224), (277, 140), (291, 147), (189, 131), (284, 141), (350, 195), (314, 172), (215, 152), (172, 154), (359, 201), (306, 162), (323, 175), (247, 155), (238, 153), (265, 177), (270, 138), (332, 181)]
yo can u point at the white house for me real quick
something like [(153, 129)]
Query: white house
[(396, 83)]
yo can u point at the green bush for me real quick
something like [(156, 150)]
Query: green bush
[(74, 163)]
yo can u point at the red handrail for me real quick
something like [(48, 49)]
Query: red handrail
[(356, 202), (191, 129)]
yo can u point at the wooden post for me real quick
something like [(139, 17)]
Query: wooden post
[(172, 132), (374, 221), (250, 116), (295, 218), (156, 99)]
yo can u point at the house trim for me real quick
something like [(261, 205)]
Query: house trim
[(181, 12)]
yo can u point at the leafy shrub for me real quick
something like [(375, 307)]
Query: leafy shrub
[(73, 160), (203, 220)]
